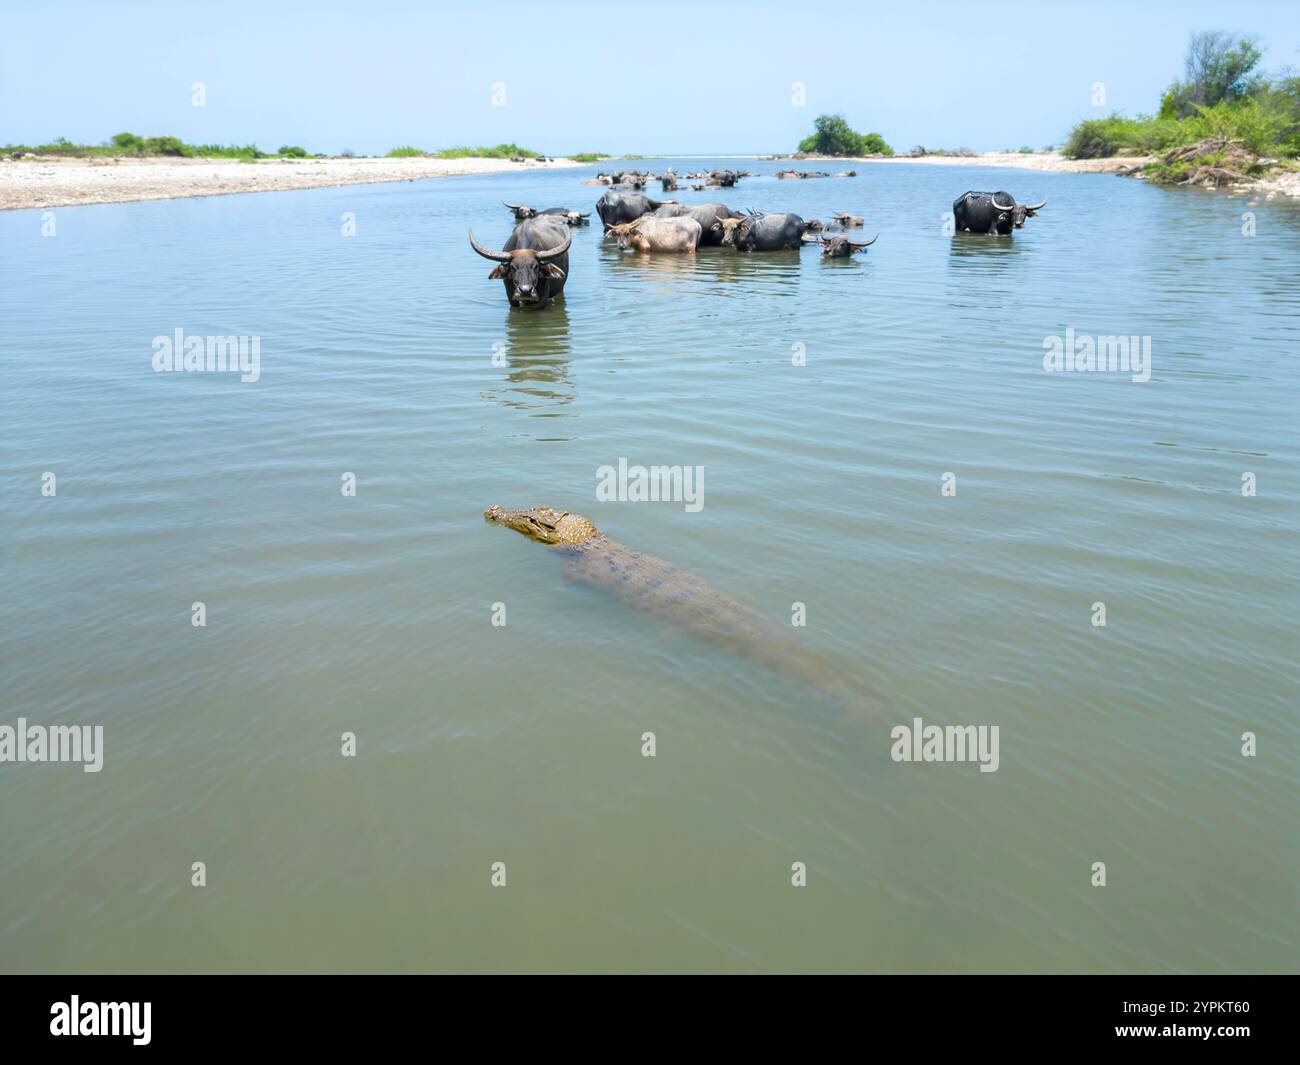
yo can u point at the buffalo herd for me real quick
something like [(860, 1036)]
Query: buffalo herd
[(534, 261)]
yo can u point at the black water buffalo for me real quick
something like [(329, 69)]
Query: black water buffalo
[(709, 215), (991, 212), (758, 231), (669, 182), (570, 218), (726, 178), (615, 207), (533, 262), (520, 210), (842, 247)]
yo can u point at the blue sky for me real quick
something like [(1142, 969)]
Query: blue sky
[(648, 77)]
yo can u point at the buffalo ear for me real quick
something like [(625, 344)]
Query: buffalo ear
[(554, 271), (498, 273)]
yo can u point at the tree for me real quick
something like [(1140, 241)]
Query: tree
[(834, 136), (130, 142), (1216, 68)]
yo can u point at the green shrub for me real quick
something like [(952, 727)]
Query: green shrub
[(834, 136), (167, 146), (292, 151), (405, 151), (589, 157)]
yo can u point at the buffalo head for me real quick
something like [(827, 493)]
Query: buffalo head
[(1016, 213), (528, 273), (521, 210), (842, 247)]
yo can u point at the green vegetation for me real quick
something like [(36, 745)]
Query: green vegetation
[(501, 151), (835, 137), (589, 157), (1222, 103), (132, 144)]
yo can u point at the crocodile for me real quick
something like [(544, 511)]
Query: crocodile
[(665, 591)]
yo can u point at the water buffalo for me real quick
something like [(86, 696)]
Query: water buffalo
[(533, 262), (992, 212), (669, 182), (649, 234), (813, 225), (842, 247), (570, 218), (848, 221), (725, 178), (616, 207), (521, 210), (763, 232), (709, 216)]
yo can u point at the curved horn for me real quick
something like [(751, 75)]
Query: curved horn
[(1036, 206), (560, 249), (870, 242), (495, 256), (512, 206)]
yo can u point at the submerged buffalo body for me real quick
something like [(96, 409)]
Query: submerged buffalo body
[(563, 214), (534, 261), (764, 232), (842, 247), (617, 207), (991, 212), (658, 234)]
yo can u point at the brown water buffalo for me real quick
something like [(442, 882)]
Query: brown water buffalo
[(649, 234), (533, 262), (709, 215), (848, 221)]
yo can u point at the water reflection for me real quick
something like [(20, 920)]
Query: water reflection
[(983, 252), (537, 355), (709, 266)]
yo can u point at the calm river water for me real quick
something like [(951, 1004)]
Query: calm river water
[(390, 356)]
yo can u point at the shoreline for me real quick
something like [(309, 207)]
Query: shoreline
[(1281, 182), (64, 181), (1053, 162), (46, 182)]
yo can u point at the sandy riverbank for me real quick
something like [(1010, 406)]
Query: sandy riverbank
[(33, 184), (1052, 161), (1277, 183)]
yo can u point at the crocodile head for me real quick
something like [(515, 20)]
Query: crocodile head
[(545, 524)]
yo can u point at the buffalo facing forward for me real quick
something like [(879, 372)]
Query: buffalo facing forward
[(533, 262), (992, 212)]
